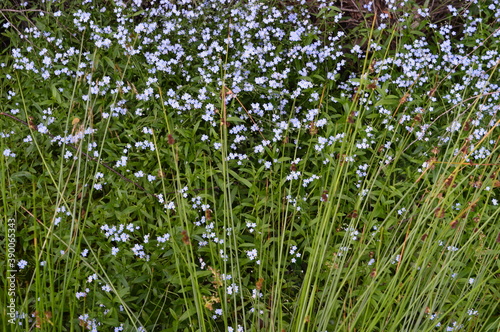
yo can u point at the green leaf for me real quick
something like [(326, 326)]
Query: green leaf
[(188, 313), (110, 62), (240, 179), (388, 100), (234, 119), (55, 94), (418, 33)]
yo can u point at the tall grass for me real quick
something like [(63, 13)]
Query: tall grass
[(220, 166)]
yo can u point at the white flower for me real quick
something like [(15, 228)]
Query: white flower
[(92, 277), (8, 153), (258, 149), (22, 264), (232, 289), (252, 254), (454, 126), (472, 312), (80, 294)]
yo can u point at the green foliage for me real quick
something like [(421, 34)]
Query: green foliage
[(191, 166)]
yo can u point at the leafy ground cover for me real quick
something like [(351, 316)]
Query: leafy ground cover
[(250, 166)]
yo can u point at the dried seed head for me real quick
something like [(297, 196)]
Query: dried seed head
[(259, 283), (475, 184), (353, 214), (431, 92), (467, 125), (431, 162), (209, 306), (313, 130), (185, 238), (404, 98), (439, 213), (171, 139), (351, 119), (31, 123), (448, 181), (371, 68)]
